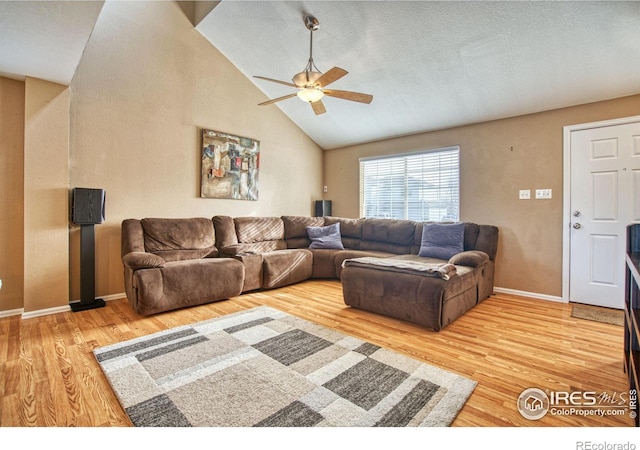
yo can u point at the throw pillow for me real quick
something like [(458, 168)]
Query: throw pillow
[(442, 241), (325, 237)]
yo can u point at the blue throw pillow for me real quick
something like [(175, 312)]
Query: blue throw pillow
[(441, 240), (325, 237)]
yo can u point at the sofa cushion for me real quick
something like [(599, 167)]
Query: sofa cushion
[(186, 283), (350, 230), (442, 240), (388, 235), (259, 229), (296, 226), (253, 247), (325, 237), (285, 267), (488, 240), (179, 239), (295, 230), (471, 231), (324, 262), (392, 231), (225, 231)]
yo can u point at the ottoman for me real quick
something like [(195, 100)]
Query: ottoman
[(428, 301)]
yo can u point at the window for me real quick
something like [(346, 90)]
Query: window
[(420, 186)]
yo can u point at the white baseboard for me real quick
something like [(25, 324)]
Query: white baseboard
[(535, 295), (56, 310), (11, 312), (45, 312)]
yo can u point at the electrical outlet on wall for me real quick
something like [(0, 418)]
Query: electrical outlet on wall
[(543, 193)]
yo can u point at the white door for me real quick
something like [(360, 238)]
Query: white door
[(605, 198)]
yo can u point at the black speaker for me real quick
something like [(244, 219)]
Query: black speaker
[(323, 208), (87, 210), (87, 206)]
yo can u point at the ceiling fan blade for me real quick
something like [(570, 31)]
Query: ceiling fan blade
[(330, 76), (318, 107), (348, 95), (269, 102), (286, 83)]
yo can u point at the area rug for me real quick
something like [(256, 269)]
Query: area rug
[(598, 314), (265, 368)]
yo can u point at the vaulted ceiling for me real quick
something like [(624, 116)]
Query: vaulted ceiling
[(45, 39), (429, 65)]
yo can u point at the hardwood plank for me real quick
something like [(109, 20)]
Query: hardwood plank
[(49, 376)]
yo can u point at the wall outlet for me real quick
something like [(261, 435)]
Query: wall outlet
[(543, 193), (326, 189), (525, 194)]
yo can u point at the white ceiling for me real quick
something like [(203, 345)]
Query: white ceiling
[(429, 65), (432, 65), (45, 39)]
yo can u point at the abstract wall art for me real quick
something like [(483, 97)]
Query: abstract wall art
[(230, 166)]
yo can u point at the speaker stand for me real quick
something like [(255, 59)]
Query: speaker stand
[(88, 298)]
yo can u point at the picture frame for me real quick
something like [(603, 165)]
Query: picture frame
[(230, 166)]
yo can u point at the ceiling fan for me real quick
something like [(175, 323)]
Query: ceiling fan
[(311, 82)]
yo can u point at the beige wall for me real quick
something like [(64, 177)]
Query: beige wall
[(46, 180), (497, 159), (146, 85), (11, 193)]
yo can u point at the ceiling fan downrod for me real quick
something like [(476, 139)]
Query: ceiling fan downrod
[(310, 73)]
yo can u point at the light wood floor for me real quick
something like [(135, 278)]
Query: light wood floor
[(49, 377)]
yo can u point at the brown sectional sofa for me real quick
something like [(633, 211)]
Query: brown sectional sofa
[(175, 263)]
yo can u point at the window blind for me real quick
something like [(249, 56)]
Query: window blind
[(421, 186)]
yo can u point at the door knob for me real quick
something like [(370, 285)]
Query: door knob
[(577, 226)]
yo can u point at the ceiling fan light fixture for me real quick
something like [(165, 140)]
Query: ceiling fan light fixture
[(306, 78), (311, 83), (310, 94)]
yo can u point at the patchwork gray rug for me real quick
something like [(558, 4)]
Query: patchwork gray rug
[(265, 368)]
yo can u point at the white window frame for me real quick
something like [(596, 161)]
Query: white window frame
[(434, 196)]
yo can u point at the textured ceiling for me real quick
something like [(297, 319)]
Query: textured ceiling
[(45, 39), (433, 65), (429, 65)]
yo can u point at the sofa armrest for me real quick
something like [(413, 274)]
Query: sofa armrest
[(470, 258), (132, 237), (142, 260)]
